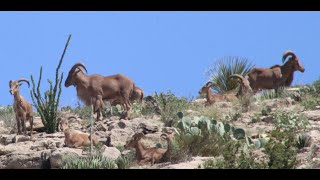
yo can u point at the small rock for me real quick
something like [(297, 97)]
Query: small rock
[(6, 139), (124, 123), (21, 138), (267, 119), (101, 127), (313, 115), (111, 153), (56, 158)]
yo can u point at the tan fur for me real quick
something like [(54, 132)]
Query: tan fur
[(276, 76), (95, 89), (22, 108), (212, 98), (143, 154), (245, 88), (75, 138)]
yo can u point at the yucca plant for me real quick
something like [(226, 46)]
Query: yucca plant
[(225, 67), (303, 140)]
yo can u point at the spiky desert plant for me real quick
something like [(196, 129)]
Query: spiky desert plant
[(225, 67), (47, 107)]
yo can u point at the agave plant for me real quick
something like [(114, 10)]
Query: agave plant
[(303, 140), (225, 67)]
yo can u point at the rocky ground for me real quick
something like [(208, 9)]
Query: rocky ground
[(46, 150)]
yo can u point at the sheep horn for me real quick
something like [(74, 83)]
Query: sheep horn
[(236, 76), (164, 136), (286, 54), (209, 84), (24, 80), (72, 117), (78, 65)]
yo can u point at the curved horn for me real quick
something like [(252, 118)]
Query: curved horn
[(237, 76), (78, 65), (209, 83), (24, 80), (10, 82), (72, 117), (286, 54), (164, 136)]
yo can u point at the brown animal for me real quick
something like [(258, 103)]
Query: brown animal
[(137, 95), (95, 89), (245, 88), (143, 154), (276, 76), (212, 98), (75, 138), (22, 108)]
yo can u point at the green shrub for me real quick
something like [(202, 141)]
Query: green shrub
[(170, 105), (290, 121), (7, 115)]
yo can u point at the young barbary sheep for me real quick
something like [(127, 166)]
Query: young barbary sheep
[(95, 89), (22, 108), (75, 138), (143, 154), (276, 76), (245, 88), (212, 98)]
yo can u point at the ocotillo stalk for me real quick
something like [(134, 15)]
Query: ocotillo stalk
[(91, 121)]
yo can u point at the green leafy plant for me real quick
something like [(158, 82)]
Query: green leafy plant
[(290, 121), (7, 115), (303, 140), (225, 67), (170, 105), (47, 107)]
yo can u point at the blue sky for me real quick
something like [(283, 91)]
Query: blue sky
[(158, 50)]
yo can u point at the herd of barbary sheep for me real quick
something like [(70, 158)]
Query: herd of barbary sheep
[(94, 89)]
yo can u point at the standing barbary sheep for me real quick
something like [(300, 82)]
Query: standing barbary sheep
[(276, 76), (22, 108), (212, 98), (75, 138), (95, 89), (143, 154), (245, 88)]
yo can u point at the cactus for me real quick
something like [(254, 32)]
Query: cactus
[(180, 115), (239, 133), (227, 127), (195, 131), (220, 128), (48, 107), (257, 144)]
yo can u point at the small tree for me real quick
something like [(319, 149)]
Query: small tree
[(48, 107), (225, 67)]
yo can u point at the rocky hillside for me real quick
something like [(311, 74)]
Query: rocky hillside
[(261, 118)]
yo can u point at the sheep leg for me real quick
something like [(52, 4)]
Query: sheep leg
[(18, 125), (31, 125), (24, 129)]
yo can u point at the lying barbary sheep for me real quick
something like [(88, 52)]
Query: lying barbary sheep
[(212, 98), (75, 138), (143, 154)]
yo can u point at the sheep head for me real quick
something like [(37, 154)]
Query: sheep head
[(243, 82), (14, 85), (294, 60), (73, 72), (205, 88), (133, 142), (64, 123)]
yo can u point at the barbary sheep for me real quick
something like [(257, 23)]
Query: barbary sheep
[(212, 98), (95, 89), (22, 108)]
